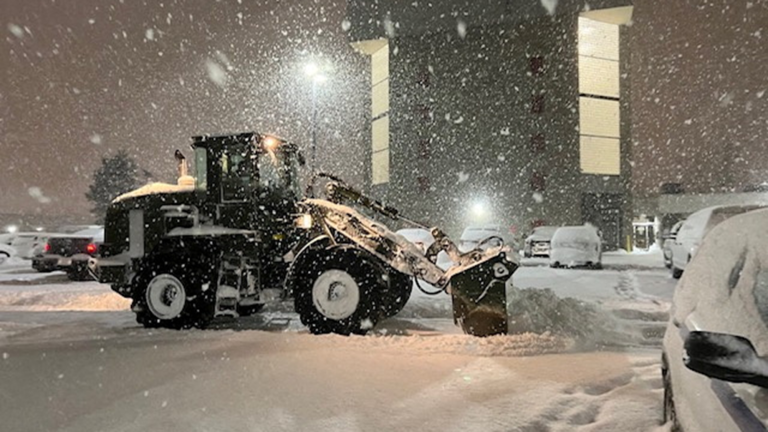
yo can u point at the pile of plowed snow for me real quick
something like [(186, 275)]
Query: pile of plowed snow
[(541, 311), (520, 345), (80, 297)]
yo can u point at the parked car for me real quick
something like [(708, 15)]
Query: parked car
[(576, 246), (7, 238), (714, 367), (420, 237), (70, 253), (538, 243), (668, 240), (485, 236), (695, 228), (423, 240), (6, 252), (26, 242)]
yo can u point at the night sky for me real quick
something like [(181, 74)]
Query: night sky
[(87, 78)]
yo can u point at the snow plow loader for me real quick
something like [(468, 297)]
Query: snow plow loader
[(240, 234)]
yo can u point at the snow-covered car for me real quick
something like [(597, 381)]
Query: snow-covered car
[(7, 238), (25, 243), (576, 246), (70, 253), (668, 240), (423, 240), (695, 228), (715, 349), (6, 252), (485, 236), (420, 237), (537, 244)]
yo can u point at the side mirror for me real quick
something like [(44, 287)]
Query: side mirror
[(725, 357)]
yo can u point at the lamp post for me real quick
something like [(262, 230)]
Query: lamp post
[(316, 76)]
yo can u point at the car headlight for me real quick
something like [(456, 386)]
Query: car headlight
[(304, 221)]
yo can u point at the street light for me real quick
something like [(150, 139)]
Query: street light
[(316, 76)]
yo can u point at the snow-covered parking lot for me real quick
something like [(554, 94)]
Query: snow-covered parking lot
[(73, 359)]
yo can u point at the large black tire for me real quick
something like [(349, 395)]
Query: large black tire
[(668, 261), (394, 298), (676, 272), (337, 291), (670, 413), (170, 295)]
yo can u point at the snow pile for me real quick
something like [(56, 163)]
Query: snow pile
[(13, 261), (527, 344), (93, 297), (541, 311)]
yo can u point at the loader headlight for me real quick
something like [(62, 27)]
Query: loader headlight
[(304, 221), (270, 144)]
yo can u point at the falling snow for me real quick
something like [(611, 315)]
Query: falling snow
[(36, 193), (16, 30), (216, 73), (461, 28), (550, 6)]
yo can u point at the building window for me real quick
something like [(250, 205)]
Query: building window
[(536, 65), (424, 113), (425, 148), (424, 183), (538, 144), (380, 153), (537, 104), (424, 79), (538, 181), (599, 105)]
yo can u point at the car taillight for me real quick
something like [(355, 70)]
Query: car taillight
[(47, 247), (91, 248)]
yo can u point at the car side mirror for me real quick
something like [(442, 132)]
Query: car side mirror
[(725, 357)]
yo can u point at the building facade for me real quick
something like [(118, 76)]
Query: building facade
[(500, 112), (700, 105)]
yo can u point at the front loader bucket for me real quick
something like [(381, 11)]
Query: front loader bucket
[(479, 296)]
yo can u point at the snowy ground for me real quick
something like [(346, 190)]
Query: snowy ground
[(73, 359)]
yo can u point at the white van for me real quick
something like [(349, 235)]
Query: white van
[(695, 228)]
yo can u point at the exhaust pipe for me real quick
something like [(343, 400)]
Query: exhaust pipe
[(182, 164)]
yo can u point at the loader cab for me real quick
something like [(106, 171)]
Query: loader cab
[(241, 174)]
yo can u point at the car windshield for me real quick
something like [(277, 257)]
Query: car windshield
[(582, 184)]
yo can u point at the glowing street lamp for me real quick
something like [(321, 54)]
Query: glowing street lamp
[(317, 77)]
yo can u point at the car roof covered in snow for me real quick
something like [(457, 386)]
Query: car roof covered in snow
[(543, 233), (575, 234), (479, 232), (417, 235), (702, 221), (726, 282)]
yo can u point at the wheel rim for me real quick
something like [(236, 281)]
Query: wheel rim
[(335, 294), (166, 296)]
